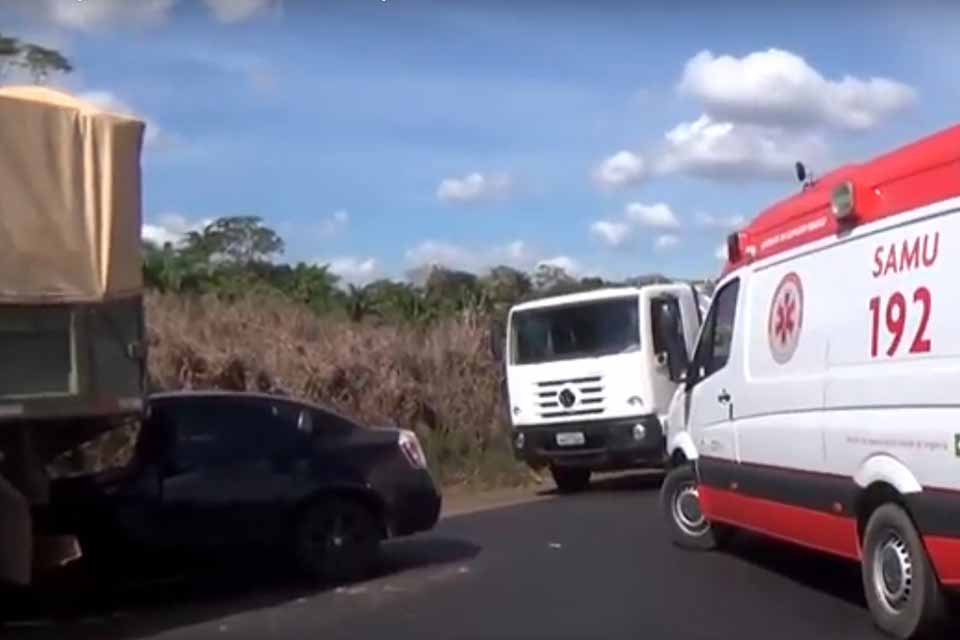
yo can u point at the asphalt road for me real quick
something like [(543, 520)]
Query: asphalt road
[(595, 565)]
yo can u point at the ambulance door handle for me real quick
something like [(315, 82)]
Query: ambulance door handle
[(724, 397)]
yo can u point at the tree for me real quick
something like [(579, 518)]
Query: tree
[(552, 280), (38, 61), (240, 240), (506, 286)]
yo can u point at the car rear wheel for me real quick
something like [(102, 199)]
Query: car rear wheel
[(901, 588), (680, 505), (338, 540), (570, 479)]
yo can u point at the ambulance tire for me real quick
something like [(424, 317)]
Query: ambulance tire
[(679, 503), (901, 587)]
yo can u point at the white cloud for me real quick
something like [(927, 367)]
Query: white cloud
[(720, 222), (230, 11), (90, 15), (474, 187), (778, 88), (613, 233), (153, 136), (334, 223), (353, 270), (622, 169), (172, 228), (568, 264), (652, 215), (720, 253), (724, 150), (666, 241), (517, 254)]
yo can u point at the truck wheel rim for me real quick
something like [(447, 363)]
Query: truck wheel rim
[(893, 573), (687, 512)]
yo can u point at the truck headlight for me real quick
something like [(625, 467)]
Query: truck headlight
[(639, 432), (520, 440)]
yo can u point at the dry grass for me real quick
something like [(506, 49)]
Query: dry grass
[(440, 382)]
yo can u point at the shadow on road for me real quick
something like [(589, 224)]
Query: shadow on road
[(139, 609), (835, 576), (637, 481)]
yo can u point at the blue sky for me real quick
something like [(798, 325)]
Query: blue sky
[(614, 138)]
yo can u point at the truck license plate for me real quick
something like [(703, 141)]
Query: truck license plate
[(570, 439)]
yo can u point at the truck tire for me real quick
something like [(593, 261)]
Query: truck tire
[(337, 540), (680, 505), (570, 479), (900, 585)]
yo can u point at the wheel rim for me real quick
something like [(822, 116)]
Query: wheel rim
[(893, 572), (336, 537), (687, 512)]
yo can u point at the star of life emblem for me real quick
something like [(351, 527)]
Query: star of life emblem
[(786, 318)]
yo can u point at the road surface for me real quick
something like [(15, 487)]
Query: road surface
[(595, 565)]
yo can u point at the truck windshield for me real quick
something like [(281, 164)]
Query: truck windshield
[(575, 331)]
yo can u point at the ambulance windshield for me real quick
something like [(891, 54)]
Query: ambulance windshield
[(583, 330)]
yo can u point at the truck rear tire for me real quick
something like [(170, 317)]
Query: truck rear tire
[(680, 505), (900, 585), (570, 479)]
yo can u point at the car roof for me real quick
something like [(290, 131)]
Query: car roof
[(195, 394), (607, 293)]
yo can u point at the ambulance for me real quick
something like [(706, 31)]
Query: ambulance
[(822, 402)]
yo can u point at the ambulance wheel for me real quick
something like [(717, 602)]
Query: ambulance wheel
[(680, 504), (570, 479), (901, 588)]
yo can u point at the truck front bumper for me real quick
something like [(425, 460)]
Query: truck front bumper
[(608, 445)]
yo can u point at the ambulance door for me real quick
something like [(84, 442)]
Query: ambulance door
[(711, 382)]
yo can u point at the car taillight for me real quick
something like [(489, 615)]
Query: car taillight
[(412, 450)]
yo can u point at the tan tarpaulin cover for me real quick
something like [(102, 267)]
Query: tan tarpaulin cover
[(69, 199)]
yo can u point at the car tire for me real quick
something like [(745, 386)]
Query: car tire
[(900, 585), (570, 479), (680, 505), (338, 540)]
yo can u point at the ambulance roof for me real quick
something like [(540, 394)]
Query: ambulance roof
[(595, 295), (919, 173)]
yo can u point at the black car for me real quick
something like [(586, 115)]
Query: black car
[(215, 471)]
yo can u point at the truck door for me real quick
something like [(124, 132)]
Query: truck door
[(710, 382)]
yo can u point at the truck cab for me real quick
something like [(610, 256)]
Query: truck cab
[(590, 375)]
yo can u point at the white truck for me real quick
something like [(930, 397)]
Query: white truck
[(589, 376)]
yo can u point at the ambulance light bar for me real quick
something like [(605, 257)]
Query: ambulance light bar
[(841, 200)]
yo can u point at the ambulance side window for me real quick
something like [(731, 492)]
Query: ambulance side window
[(713, 351)]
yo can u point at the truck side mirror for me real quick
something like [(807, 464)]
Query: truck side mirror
[(668, 337), (497, 335)]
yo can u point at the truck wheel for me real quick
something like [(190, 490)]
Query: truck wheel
[(901, 588), (337, 540), (570, 479), (680, 504)]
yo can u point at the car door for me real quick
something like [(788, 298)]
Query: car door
[(220, 482), (709, 387)]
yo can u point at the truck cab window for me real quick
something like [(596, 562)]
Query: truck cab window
[(713, 350)]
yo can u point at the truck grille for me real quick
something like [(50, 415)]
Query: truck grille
[(586, 393)]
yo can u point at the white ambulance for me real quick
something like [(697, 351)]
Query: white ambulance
[(822, 404)]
